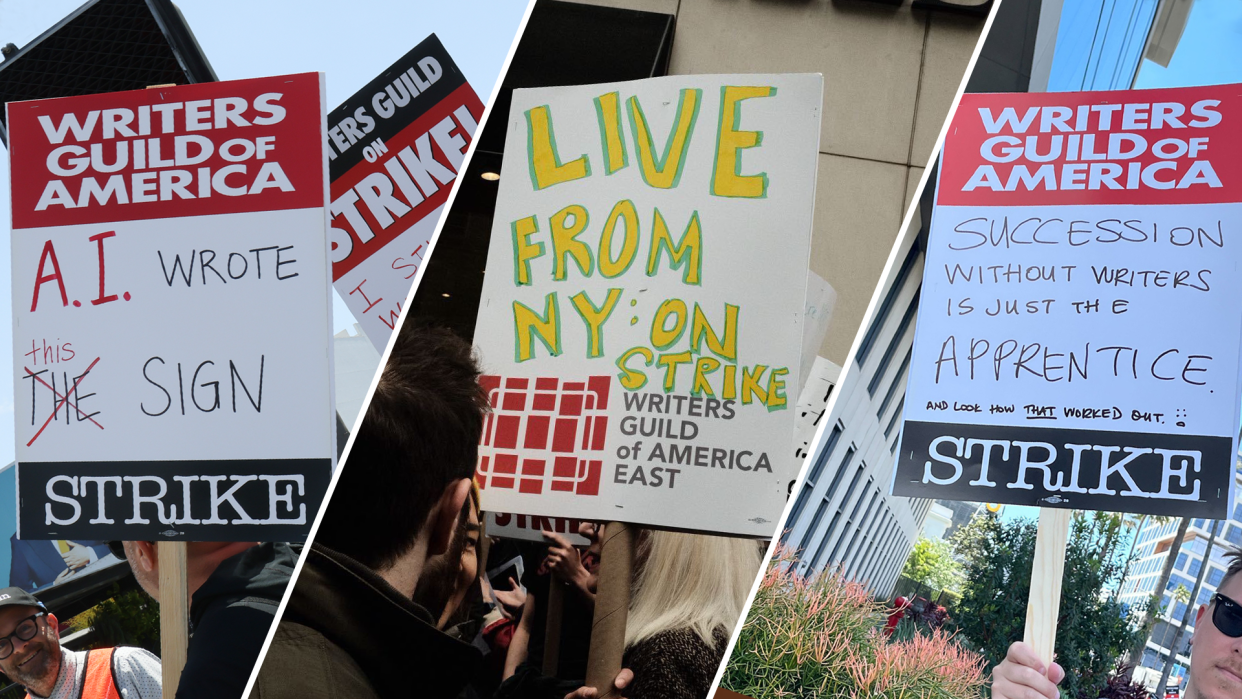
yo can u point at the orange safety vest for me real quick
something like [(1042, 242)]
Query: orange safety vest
[(98, 682)]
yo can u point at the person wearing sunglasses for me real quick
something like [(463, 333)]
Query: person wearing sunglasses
[(1215, 659), (31, 655)]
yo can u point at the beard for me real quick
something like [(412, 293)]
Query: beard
[(36, 665)]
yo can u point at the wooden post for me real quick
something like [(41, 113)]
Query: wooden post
[(1044, 604), (552, 632), (612, 607), (174, 613)]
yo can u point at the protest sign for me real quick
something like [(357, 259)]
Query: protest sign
[(1078, 335), (172, 321), (531, 528), (641, 319), (395, 148)]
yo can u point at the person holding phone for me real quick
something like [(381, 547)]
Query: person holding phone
[(1215, 659)]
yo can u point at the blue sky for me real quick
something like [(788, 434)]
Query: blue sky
[(349, 42), (1099, 41)]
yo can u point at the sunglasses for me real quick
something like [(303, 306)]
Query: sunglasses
[(1227, 616)]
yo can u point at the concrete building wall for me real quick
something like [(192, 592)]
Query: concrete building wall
[(890, 74)]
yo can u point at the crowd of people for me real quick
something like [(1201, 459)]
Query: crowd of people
[(393, 593)]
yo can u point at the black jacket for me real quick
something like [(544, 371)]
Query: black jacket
[(230, 616), (347, 633)]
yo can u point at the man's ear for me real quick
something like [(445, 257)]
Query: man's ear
[(53, 625), (142, 555), (1198, 619), (444, 516)]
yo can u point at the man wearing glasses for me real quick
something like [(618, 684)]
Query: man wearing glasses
[(31, 655), (1215, 659)]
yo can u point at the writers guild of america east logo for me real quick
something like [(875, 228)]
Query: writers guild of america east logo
[(544, 434)]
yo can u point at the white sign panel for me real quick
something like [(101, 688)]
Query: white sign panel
[(642, 320), (172, 319), (1078, 333)]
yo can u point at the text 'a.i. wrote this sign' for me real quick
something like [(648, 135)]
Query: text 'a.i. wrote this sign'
[(1079, 325), (395, 148), (641, 318), (171, 312)]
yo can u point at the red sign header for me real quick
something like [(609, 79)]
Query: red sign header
[(1167, 146), (210, 148)]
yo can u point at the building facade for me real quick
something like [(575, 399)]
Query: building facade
[(1151, 551), (843, 515)]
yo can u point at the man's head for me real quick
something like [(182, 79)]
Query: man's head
[(449, 578), (1216, 657), (202, 559), (408, 472), (29, 642)]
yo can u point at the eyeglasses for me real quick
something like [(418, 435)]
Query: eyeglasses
[(1227, 616), (26, 630)]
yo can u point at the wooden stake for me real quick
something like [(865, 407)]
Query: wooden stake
[(1044, 604), (552, 632), (612, 607), (174, 613)]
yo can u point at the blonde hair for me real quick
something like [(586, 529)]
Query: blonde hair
[(689, 581)]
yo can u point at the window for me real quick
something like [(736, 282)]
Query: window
[(845, 501), (846, 560), (893, 345), (832, 490), (1214, 576), (814, 525), (892, 422), (886, 526), (868, 542), (1195, 566), (892, 388), (1234, 534), (813, 474), (1175, 580), (890, 298), (832, 526), (1181, 561)]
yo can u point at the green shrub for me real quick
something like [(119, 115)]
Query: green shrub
[(819, 637)]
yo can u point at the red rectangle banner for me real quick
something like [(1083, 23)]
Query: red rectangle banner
[(1128, 147), (189, 150)]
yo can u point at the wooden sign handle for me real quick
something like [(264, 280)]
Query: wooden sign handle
[(174, 613), (1044, 604), (612, 607), (552, 632)]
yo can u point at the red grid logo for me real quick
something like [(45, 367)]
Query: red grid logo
[(535, 423)]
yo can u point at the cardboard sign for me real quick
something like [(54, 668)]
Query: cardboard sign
[(1078, 332), (395, 148), (641, 319), (172, 325), (531, 528)]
